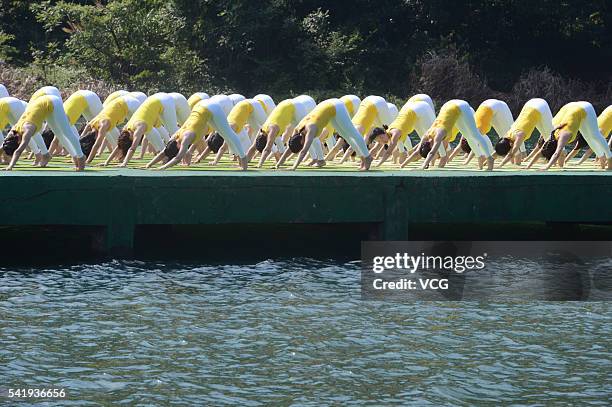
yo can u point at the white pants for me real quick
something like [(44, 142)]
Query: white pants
[(3, 92), (224, 102), (342, 123), (279, 146), (501, 121), (467, 127), (425, 116), (132, 104), (545, 122), (93, 108), (257, 118), (154, 136), (591, 133), (307, 104), (383, 114), (392, 111), (114, 95), (422, 97), (139, 96), (245, 141), (64, 131), (182, 107), (316, 150), (168, 114), (236, 98), (46, 91), (354, 101), (220, 124), (267, 100)]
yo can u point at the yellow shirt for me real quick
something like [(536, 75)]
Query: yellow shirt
[(37, 94), (148, 113), (604, 122), (193, 100), (348, 103), (4, 114), (282, 116), (365, 115), (484, 117), (36, 113), (197, 122), (404, 122), (446, 121), (116, 94), (525, 122), (350, 107), (74, 107), (319, 116), (240, 114), (572, 117), (115, 112)]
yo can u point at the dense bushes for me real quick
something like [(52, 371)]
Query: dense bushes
[(472, 50)]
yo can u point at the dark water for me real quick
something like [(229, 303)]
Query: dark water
[(292, 332)]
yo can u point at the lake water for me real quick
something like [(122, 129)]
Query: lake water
[(287, 332)]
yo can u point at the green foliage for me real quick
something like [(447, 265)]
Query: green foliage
[(127, 41), (465, 49), (6, 50)]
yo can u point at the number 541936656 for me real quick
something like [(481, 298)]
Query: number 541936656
[(22, 393)]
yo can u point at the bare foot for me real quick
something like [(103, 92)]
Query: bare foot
[(243, 162), (367, 162), (490, 163), (44, 160)]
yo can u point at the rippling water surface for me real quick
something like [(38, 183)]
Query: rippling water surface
[(287, 332)]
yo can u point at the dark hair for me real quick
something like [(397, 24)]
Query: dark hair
[(124, 142), (11, 142), (580, 142), (465, 146), (503, 146), (214, 141), (87, 142), (549, 148), (541, 141), (296, 143), (171, 149), (48, 136), (425, 148), (376, 131), (261, 141)]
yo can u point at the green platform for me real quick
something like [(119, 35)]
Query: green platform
[(119, 200)]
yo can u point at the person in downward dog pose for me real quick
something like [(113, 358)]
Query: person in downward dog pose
[(575, 116), (534, 114), (491, 114), (310, 127), (278, 127), (249, 112), (197, 97), (604, 122), (205, 114), (43, 108), (11, 110), (454, 113), (373, 111), (413, 116), (104, 125), (159, 107)]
